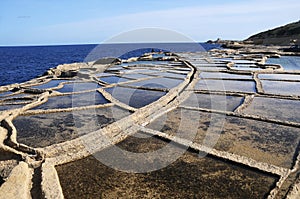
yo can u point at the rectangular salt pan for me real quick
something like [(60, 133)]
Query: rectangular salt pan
[(274, 108), (114, 79), (279, 76), (158, 83), (135, 76), (47, 129), (224, 75), (210, 101), (78, 87), (261, 141), (136, 98), (76, 100), (287, 62), (226, 85), (281, 88), (186, 177)]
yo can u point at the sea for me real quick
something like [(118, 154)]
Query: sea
[(22, 63)]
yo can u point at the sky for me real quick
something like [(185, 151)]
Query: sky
[(52, 22)]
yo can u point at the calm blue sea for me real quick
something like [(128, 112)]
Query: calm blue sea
[(20, 64)]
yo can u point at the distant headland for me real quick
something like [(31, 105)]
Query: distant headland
[(285, 35), (284, 40)]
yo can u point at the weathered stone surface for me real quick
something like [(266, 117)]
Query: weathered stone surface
[(294, 193), (18, 183), (50, 183)]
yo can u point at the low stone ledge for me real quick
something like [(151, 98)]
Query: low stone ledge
[(18, 184), (50, 182), (294, 192)]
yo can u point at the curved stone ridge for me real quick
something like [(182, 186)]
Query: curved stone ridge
[(36, 173)]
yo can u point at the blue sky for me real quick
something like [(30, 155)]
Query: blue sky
[(44, 22)]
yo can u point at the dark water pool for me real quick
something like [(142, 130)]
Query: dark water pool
[(136, 98)]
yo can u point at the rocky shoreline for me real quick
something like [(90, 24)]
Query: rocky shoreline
[(247, 47)]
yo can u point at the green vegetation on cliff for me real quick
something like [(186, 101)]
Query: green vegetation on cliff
[(283, 35)]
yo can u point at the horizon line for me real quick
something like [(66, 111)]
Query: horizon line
[(78, 44)]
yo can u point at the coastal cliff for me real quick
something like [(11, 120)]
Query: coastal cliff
[(282, 36)]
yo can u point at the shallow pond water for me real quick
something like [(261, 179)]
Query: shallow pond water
[(136, 98), (280, 109), (210, 101), (104, 74), (143, 71), (114, 79), (204, 68), (9, 107), (158, 83), (135, 76), (287, 62), (261, 141), (279, 76), (174, 75), (46, 129), (158, 55), (150, 63), (235, 60), (187, 177), (22, 97), (76, 100), (226, 85), (207, 75), (4, 94), (281, 88), (77, 87), (115, 69), (213, 65), (51, 84)]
